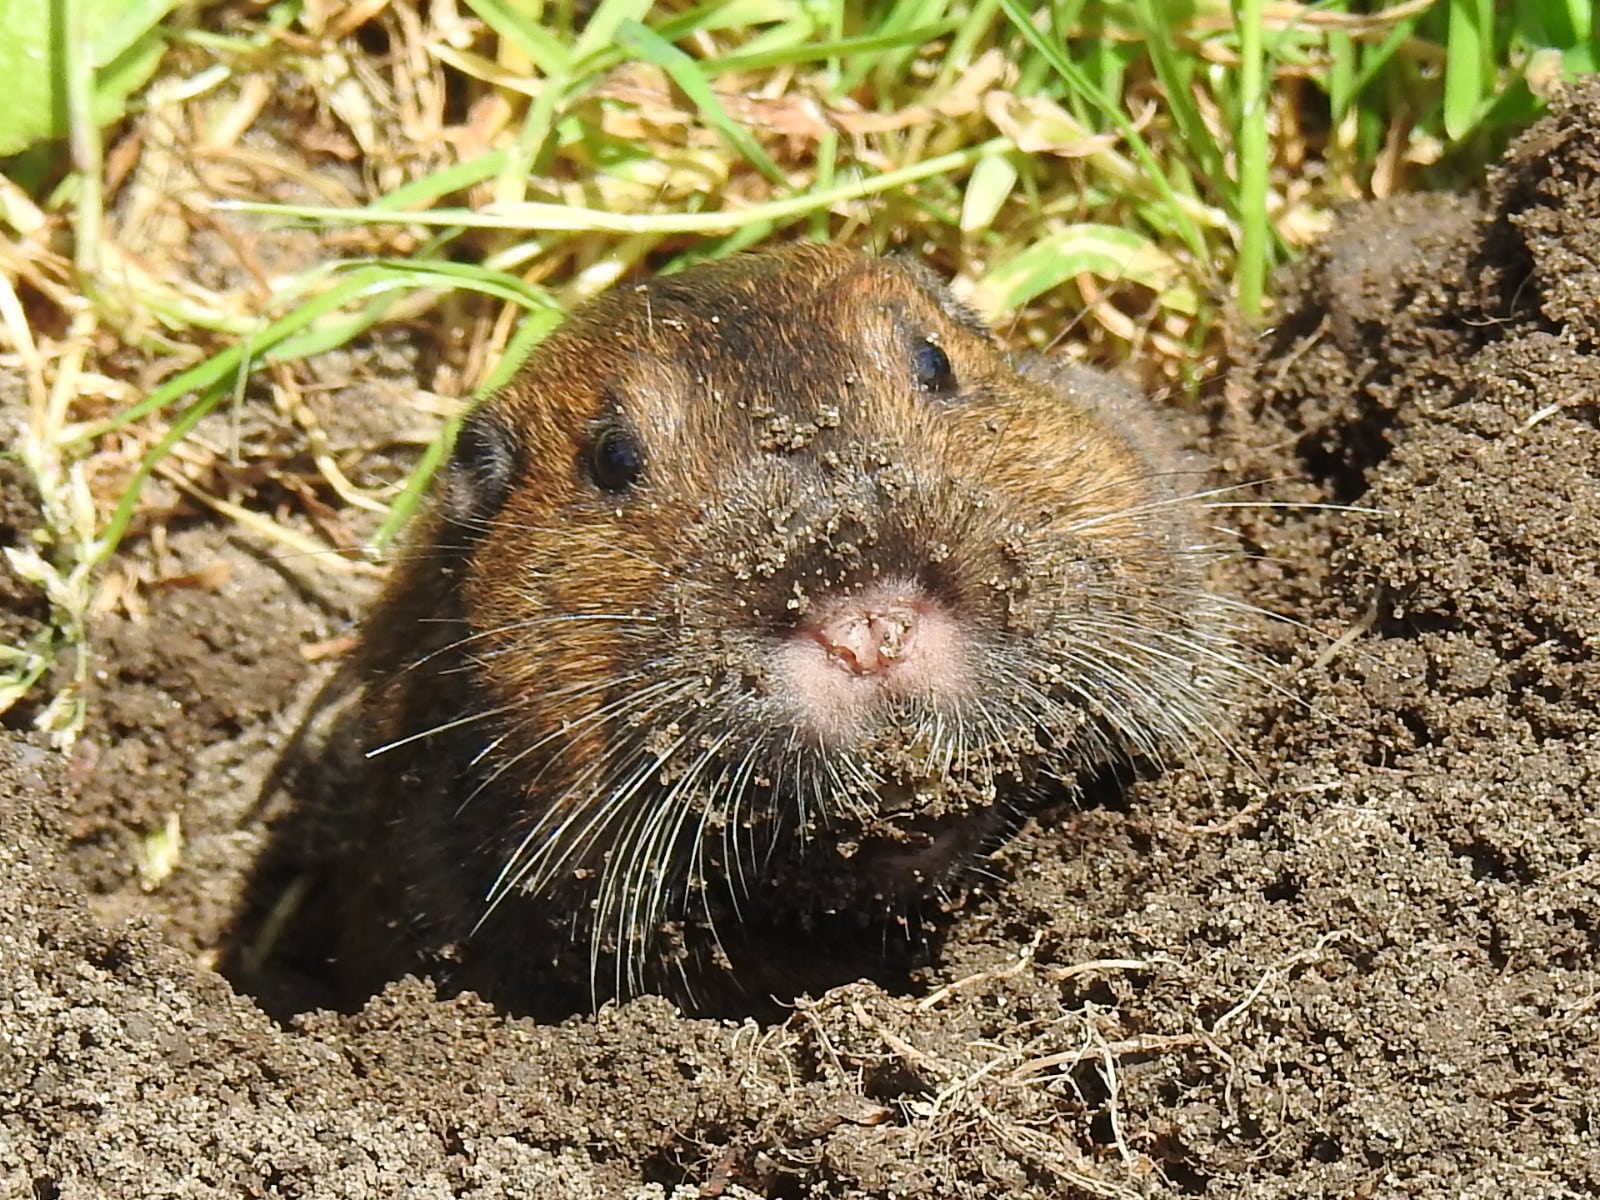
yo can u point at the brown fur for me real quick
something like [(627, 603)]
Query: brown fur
[(789, 454)]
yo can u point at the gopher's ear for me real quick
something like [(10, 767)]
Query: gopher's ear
[(486, 461)]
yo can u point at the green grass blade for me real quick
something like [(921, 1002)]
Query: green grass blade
[(1107, 251), (1255, 229), (1021, 20), (549, 56), (867, 47), (687, 74), (180, 428), (574, 219), (1469, 75)]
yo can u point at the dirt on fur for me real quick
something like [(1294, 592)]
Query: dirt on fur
[(1361, 957)]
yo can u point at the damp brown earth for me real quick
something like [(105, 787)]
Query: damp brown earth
[(1358, 957)]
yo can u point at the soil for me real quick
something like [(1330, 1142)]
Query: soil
[(1358, 956)]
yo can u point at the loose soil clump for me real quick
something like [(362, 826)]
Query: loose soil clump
[(1359, 956)]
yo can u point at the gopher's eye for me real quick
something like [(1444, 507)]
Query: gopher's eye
[(615, 459), (931, 367)]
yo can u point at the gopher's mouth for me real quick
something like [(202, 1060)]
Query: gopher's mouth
[(916, 865), (900, 841)]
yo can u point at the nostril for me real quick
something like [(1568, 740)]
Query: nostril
[(867, 639)]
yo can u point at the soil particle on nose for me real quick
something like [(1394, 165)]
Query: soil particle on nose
[(1358, 956)]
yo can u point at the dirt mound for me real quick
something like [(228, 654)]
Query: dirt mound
[(1360, 956)]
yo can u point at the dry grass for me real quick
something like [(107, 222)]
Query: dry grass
[(1033, 1089)]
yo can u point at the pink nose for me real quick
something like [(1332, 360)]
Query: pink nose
[(852, 657), (866, 639)]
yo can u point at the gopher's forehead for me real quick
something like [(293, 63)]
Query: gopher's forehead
[(812, 334), (769, 325), (755, 305)]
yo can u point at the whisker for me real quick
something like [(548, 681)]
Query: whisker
[(443, 727)]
